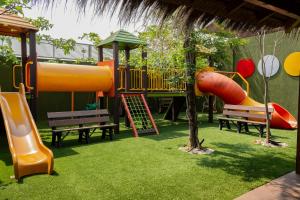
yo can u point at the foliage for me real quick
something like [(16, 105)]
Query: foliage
[(215, 45), (85, 61), (41, 23), (92, 37), (14, 6), (7, 56)]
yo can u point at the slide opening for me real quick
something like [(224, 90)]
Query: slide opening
[(281, 111)]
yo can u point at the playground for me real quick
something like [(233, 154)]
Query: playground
[(146, 132)]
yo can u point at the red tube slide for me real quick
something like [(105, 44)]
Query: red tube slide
[(232, 93)]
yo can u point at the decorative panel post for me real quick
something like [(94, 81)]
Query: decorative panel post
[(33, 58), (116, 106)]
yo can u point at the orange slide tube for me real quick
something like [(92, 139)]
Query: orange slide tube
[(54, 77), (232, 93), (29, 154)]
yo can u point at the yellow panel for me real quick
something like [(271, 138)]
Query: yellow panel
[(53, 77), (292, 64)]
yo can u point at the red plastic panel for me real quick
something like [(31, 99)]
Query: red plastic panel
[(245, 67)]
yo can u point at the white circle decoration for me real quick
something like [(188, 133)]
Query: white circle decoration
[(271, 65)]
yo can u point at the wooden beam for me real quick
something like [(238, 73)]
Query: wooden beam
[(100, 54), (33, 69), (273, 8), (236, 8), (265, 18), (23, 55), (116, 105), (127, 70)]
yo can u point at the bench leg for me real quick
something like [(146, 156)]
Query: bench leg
[(246, 127), (220, 124), (239, 127), (110, 133), (228, 124), (80, 136), (54, 135), (103, 134), (87, 135), (59, 139), (261, 130)]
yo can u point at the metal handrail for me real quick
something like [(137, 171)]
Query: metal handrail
[(27, 78), (233, 74), (14, 76)]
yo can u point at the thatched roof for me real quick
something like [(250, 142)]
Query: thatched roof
[(13, 25), (241, 15)]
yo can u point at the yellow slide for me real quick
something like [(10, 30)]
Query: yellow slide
[(29, 154)]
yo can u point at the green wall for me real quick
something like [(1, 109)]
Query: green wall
[(283, 88)]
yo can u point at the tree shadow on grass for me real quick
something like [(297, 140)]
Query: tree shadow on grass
[(248, 162)]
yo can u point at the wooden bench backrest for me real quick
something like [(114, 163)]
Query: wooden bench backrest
[(250, 112), (56, 119)]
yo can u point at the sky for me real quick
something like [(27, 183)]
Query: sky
[(69, 24)]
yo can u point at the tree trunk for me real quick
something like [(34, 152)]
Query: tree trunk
[(190, 60), (266, 101)]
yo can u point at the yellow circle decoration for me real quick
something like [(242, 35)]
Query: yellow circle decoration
[(292, 64)]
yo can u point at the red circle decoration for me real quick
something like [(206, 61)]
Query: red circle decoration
[(245, 67)]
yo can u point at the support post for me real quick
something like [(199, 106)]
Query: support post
[(127, 80), (210, 98), (72, 101), (211, 108), (23, 56), (233, 58), (145, 76), (100, 54), (33, 58), (127, 70), (298, 133), (116, 106)]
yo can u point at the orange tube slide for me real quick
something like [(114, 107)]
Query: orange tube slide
[(232, 93), (54, 77)]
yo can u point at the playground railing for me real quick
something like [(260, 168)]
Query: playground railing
[(171, 79), (164, 80)]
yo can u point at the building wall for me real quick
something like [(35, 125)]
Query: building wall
[(283, 87)]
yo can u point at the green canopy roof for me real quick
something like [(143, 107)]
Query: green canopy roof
[(125, 40)]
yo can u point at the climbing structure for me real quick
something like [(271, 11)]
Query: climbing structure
[(139, 114)]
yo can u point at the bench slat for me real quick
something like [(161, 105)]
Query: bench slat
[(241, 120), (244, 114), (247, 108), (77, 121), (83, 113), (84, 127)]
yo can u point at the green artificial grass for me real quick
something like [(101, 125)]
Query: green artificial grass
[(152, 167)]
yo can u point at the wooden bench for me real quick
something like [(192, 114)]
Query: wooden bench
[(85, 122), (242, 116)]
